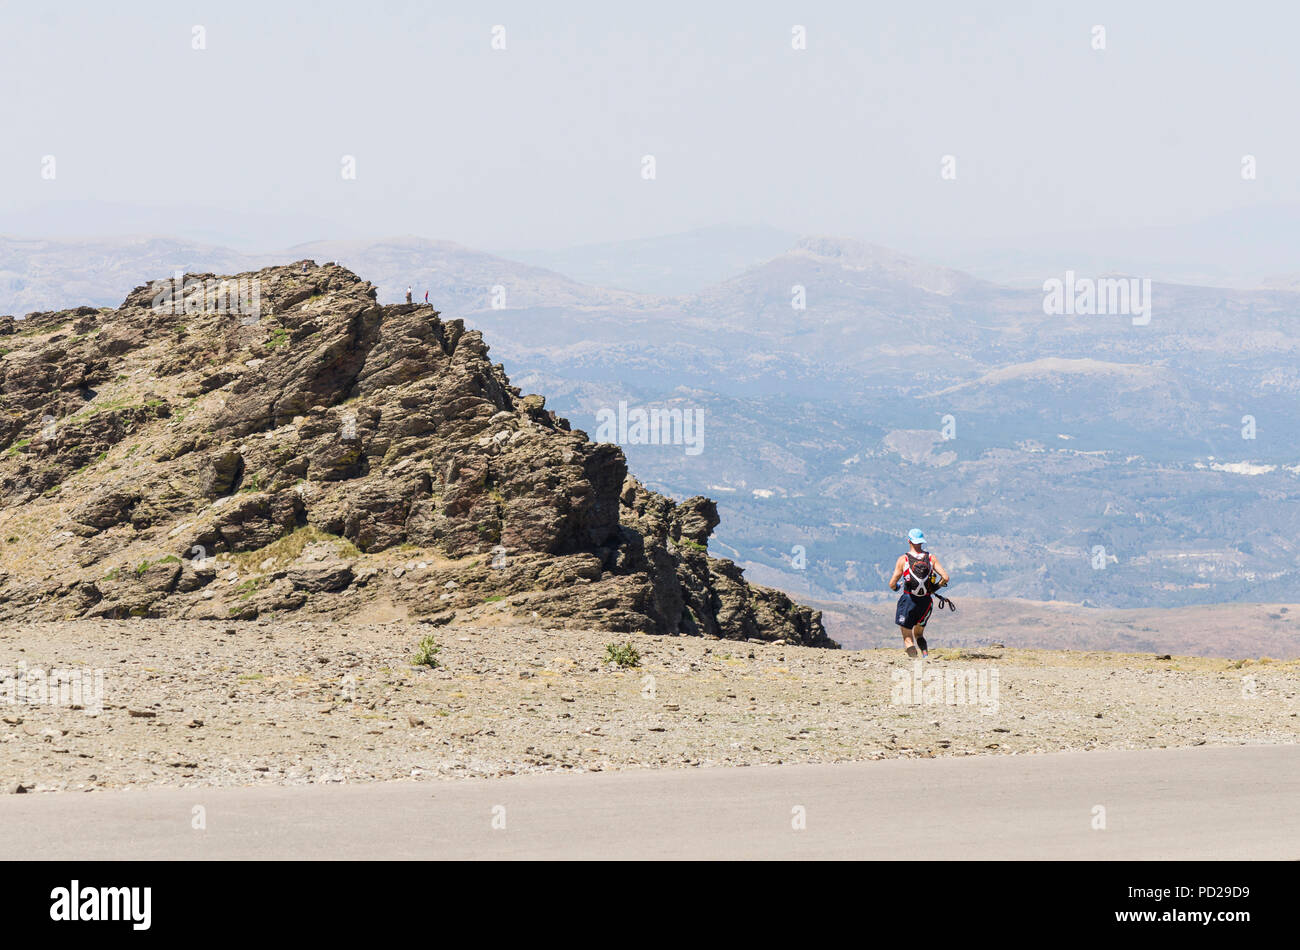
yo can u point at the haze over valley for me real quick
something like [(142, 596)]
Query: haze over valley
[(1073, 459)]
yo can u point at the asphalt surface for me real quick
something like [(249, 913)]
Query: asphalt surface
[(1208, 802)]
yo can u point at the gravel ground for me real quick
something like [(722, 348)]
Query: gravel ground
[(290, 702)]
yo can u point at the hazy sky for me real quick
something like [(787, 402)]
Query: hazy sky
[(541, 144)]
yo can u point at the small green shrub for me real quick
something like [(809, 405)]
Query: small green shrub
[(426, 654), (624, 654)]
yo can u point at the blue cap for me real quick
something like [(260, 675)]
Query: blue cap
[(916, 536)]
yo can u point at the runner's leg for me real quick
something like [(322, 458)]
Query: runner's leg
[(908, 644), (919, 629)]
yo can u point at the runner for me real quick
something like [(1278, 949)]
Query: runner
[(921, 575)]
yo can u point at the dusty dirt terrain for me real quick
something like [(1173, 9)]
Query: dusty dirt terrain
[(201, 703)]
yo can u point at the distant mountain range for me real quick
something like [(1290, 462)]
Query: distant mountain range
[(669, 265), (850, 392)]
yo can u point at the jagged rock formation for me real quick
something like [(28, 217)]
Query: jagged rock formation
[(332, 456)]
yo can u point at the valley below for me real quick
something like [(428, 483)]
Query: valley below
[(1231, 631)]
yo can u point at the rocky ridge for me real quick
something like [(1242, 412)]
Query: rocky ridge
[(331, 456)]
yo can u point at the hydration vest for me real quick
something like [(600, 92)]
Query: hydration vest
[(918, 576)]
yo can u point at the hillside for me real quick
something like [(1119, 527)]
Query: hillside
[(319, 452)]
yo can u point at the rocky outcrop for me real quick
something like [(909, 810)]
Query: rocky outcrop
[(330, 455)]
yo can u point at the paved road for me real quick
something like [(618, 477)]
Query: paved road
[(1230, 802)]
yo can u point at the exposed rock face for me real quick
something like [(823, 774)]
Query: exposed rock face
[(331, 456)]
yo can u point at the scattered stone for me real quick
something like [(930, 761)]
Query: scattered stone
[(269, 700), (318, 577)]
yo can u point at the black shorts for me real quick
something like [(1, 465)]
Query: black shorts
[(913, 611)]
